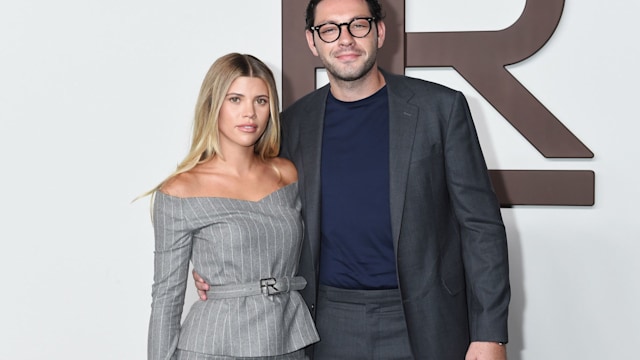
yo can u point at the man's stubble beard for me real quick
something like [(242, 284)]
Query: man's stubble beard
[(349, 76)]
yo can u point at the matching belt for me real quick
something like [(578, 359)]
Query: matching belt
[(266, 287)]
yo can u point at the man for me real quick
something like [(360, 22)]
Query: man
[(405, 251)]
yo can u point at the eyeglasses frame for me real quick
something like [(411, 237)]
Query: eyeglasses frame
[(340, 25)]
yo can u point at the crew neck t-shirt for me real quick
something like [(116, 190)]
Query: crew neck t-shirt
[(357, 246)]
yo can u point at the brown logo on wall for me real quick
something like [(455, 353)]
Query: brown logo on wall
[(480, 58)]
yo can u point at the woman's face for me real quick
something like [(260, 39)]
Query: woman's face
[(245, 112)]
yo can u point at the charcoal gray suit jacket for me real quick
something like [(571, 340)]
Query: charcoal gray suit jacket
[(449, 239)]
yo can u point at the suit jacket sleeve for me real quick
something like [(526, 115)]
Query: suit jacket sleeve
[(173, 242), (483, 238)]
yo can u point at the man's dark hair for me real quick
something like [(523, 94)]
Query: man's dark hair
[(374, 7)]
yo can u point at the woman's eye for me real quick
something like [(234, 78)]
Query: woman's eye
[(234, 99), (262, 101)]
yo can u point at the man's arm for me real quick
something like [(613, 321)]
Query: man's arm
[(201, 285), (483, 236)]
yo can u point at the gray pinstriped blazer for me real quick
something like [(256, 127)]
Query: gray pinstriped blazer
[(230, 241)]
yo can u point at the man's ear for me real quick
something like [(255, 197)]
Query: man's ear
[(382, 32), (311, 42)]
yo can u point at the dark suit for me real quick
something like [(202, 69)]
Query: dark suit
[(449, 239)]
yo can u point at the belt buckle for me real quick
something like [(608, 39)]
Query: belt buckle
[(267, 286)]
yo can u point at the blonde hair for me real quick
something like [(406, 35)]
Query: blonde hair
[(205, 139)]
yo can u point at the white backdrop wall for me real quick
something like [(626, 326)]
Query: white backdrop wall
[(96, 100)]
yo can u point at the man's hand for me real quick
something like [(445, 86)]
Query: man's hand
[(483, 350), (201, 285)]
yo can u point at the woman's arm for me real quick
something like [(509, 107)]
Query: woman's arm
[(173, 242)]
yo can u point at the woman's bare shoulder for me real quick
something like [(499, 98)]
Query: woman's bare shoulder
[(287, 170), (181, 185)]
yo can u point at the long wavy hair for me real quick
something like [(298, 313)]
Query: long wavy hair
[(205, 142)]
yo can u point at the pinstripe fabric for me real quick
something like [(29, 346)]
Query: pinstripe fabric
[(188, 355), (229, 241)]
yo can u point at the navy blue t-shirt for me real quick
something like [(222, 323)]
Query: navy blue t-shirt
[(357, 246)]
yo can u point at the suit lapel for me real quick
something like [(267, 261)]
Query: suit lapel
[(311, 149), (402, 124)]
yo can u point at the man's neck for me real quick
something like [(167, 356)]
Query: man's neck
[(355, 90)]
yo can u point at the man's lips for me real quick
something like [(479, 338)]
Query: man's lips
[(347, 56)]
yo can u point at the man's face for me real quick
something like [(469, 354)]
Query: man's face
[(348, 58)]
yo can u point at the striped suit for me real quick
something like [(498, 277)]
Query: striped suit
[(229, 241)]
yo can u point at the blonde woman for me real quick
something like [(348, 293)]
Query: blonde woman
[(232, 209)]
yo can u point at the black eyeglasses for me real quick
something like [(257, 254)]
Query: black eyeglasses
[(330, 32)]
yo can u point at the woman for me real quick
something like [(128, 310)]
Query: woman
[(232, 208)]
